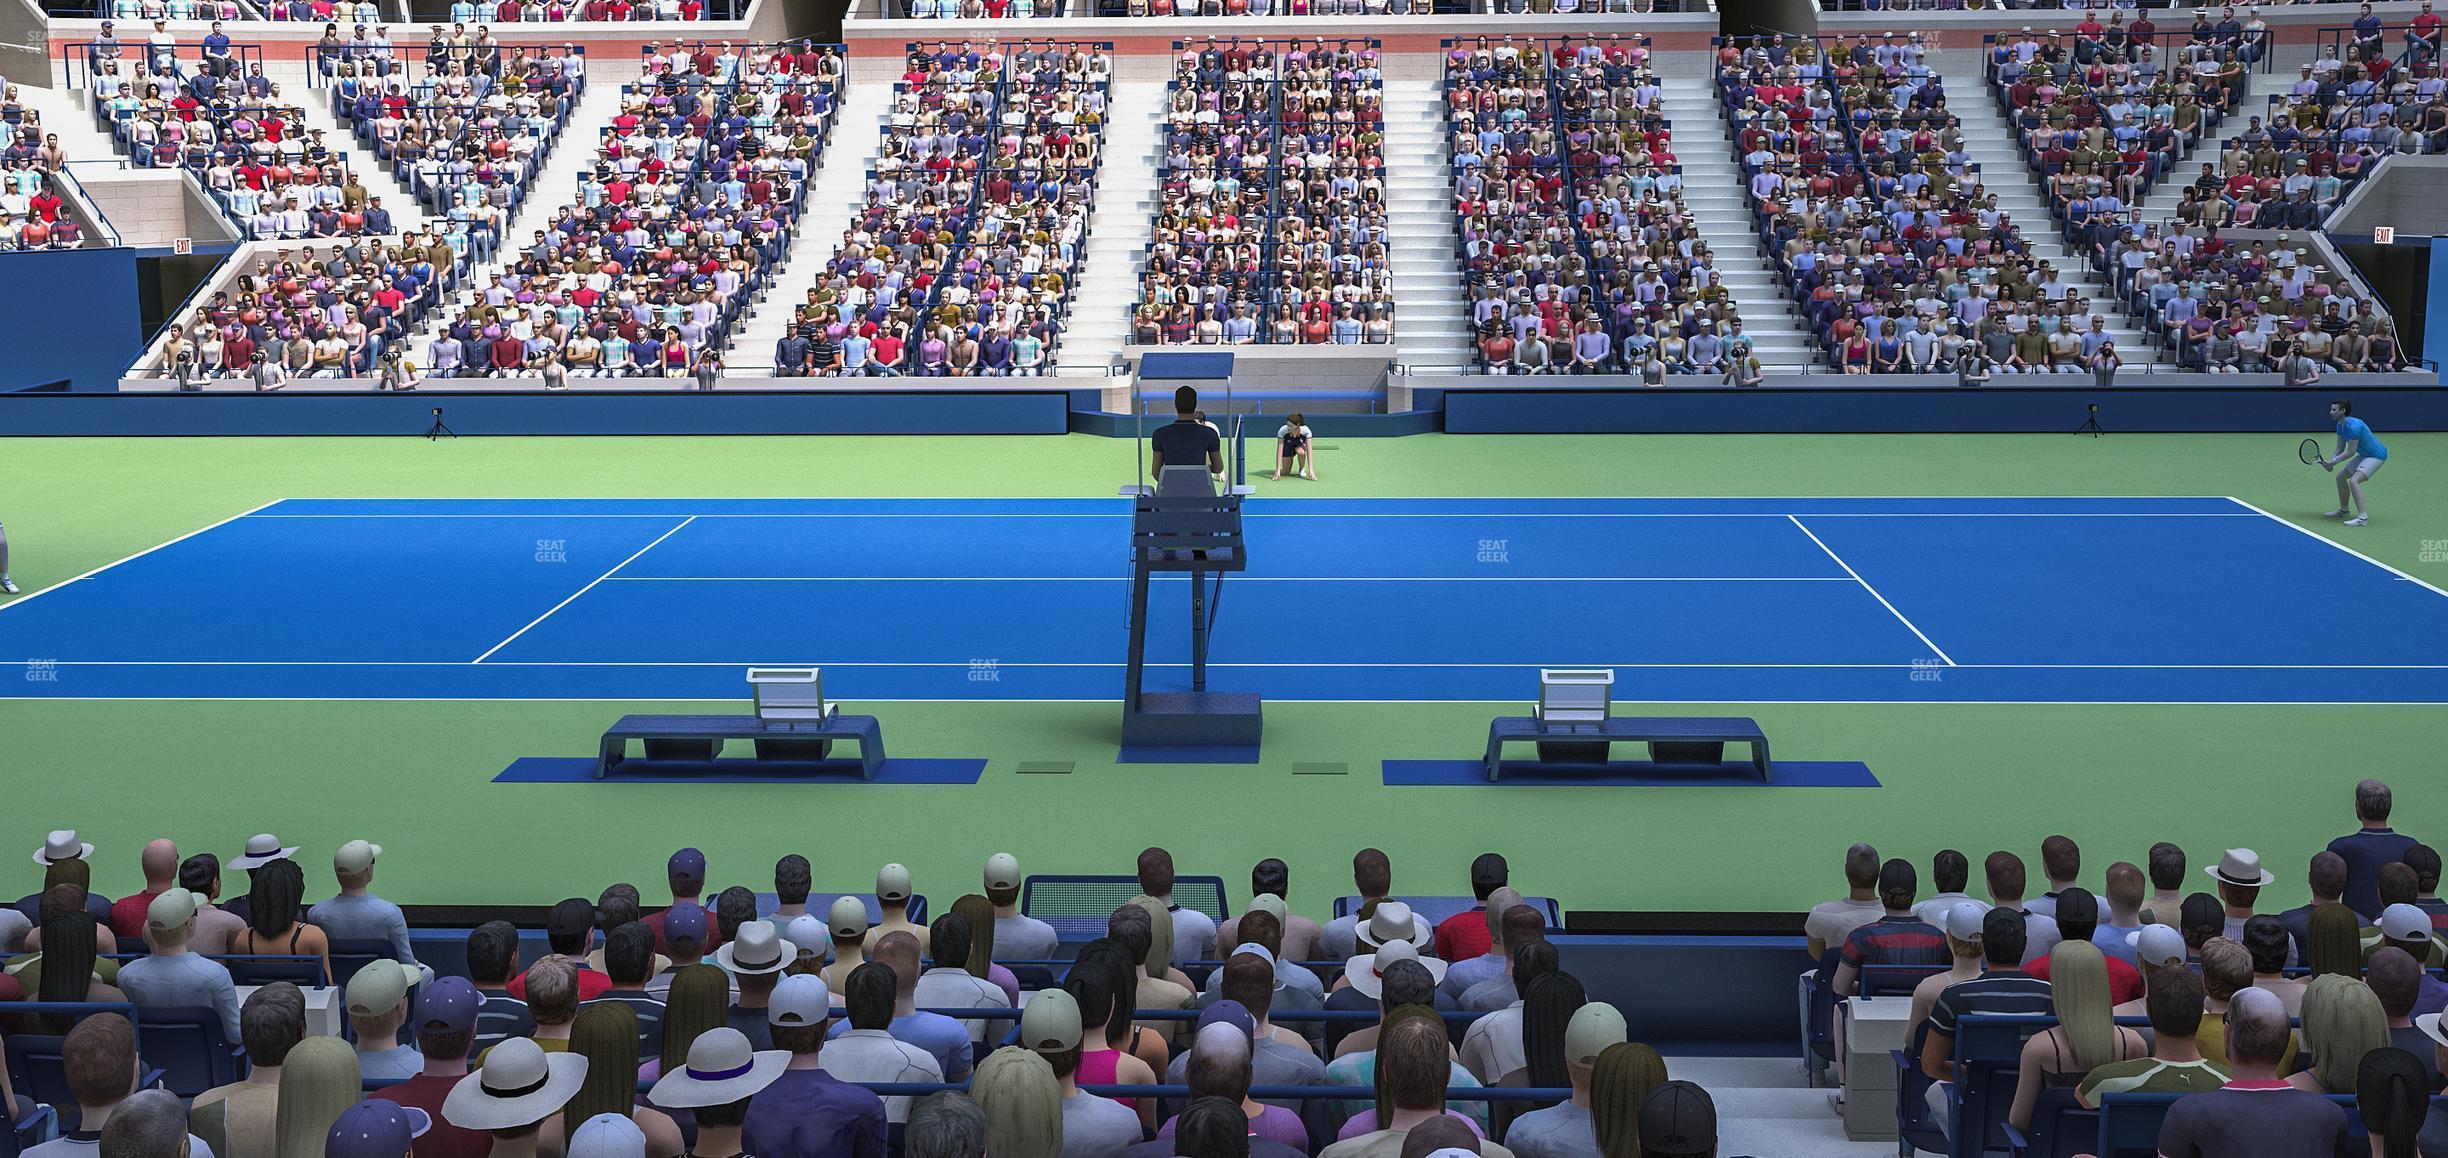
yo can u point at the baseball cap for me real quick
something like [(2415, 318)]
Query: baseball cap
[(1271, 905), (803, 999), (1231, 1013), (378, 988), (1593, 1028), (893, 883), (685, 921), (1254, 949), (375, 1128), (356, 856), (575, 915), (688, 864), (1678, 1118), (1964, 920), (1002, 871), (2157, 945), (173, 908), (1051, 1023), (447, 1006), (608, 1136), (847, 919), (2403, 922)]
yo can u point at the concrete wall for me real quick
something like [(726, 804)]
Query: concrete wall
[(155, 207)]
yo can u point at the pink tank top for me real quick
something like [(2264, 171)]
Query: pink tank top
[(1097, 1068)]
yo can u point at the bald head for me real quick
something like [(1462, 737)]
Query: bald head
[(2257, 1029), (899, 950), (1219, 1063), (161, 864)]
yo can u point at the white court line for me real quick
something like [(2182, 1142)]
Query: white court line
[(1124, 514), (781, 662), (1245, 578), (22, 600), (2321, 538), (1874, 592), (583, 590)]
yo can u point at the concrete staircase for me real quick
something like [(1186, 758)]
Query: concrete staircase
[(70, 113), (1097, 327), (1716, 196), (1431, 315), (1764, 1108), (835, 193), (291, 74), (2259, 87)]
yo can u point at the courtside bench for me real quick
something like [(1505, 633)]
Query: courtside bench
[(699, 739), (1653, 730)]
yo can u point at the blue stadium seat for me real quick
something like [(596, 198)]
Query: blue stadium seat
[(1988, 1060), (1895, 980), (2060, 1128), (1078, 904), (264, 969), (348, 955), (187, 1045), (1915, 1129)]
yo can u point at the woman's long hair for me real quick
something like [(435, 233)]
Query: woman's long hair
[(2393, 1093), (318, 1080), (2342, 1021), (273, 894), (2078, 987), (980, 912), (1546, 1012), (1023, 1103), (606, 1034), (1104, 965), (1625, 1074), (67, 965), (1160, 936), (2336, 948), (700, 1000)]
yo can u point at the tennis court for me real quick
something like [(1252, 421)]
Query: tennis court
[(1892, 599)]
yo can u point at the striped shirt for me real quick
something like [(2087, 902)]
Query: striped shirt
[(1904, 940), (1995, 991)]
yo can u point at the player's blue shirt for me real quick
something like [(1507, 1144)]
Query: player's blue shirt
[(2355, 430)]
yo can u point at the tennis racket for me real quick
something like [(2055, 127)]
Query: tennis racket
[(2310, 453)]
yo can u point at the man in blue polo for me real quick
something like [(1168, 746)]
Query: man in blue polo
[(2361, 454), (1185, 441), (2369, 847)]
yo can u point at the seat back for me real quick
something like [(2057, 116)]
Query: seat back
[(1822, 1041), (1915, 1128), (37, 1071), (2060, 1127), (187, 1044), (1988, 1059), (2129, 1124), (1895, 980), (1575, 695), (303, 972), (350, 954)]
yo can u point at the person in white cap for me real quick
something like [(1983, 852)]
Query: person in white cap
[(357, 914), (722, 1074), (64, 857), (807, 933), (755, 960), (2155, 947), (893, 897), (1092, 1126), (519, 1086), (846, 929), (1194, 932), (950, 984), (1020, 937), (262, 849), (863, 1048), (1962, 924), (2402, 926), (62, 844), (174, 977), (1568, 1130), (608, 1136), (377, 1006), (1389, 922), (806, 1112)]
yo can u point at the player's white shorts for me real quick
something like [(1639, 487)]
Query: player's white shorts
[(2363, 466)]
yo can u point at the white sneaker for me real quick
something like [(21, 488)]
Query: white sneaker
[(2359, 521), (2339, 513), (8, 585)]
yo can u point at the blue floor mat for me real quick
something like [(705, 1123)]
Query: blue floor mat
[(581, 770), (1624, 774)]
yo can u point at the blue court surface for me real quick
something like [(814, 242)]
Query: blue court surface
[(1753, 600)]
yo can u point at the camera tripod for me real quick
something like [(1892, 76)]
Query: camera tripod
[(438, 431)]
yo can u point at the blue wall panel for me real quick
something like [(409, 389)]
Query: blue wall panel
[(68, 314), (473, 414), (2128, 409)]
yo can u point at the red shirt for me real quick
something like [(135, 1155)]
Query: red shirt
[(128, 915), (2124, 981), (591, 985), (444, 1140), (1463, 936)]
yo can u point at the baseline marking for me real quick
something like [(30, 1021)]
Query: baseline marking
[(583, 590), (1874, 592), (2317, 537), (22, 600)]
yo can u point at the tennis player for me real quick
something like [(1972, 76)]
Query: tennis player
[(8, 586), (2360, 452)]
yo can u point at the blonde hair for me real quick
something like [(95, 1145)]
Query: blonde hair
[(2078, 988), (606, 1034), (1023, 1103), (318, 1079), (1160, 936), (2342, 1021)]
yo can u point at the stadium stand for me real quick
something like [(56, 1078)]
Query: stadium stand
[(462, 133)]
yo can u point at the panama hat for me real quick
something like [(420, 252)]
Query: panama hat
[(1367, 971), (519, 1086), (62, 845), (1394, 921), (757, 949), (722, 1068), (2241, 866), (262, 849)]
